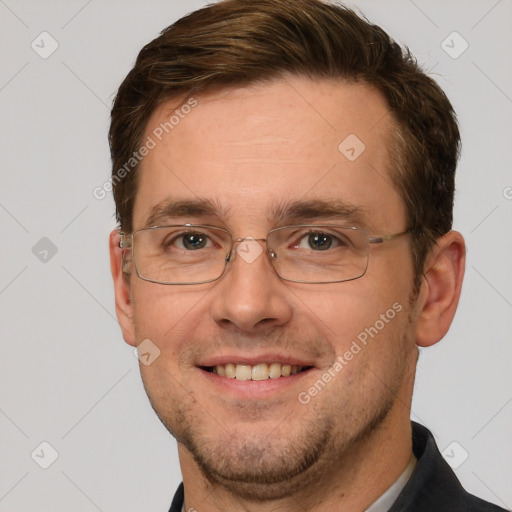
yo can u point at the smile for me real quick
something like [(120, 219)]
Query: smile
[(260, 371)]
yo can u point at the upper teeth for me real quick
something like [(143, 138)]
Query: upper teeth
[(257, 372)]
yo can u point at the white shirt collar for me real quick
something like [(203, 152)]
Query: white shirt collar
[(384, 503)]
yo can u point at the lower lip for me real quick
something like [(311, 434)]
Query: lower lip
[(254, 388)]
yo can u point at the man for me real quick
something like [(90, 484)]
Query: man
[(284, 175)]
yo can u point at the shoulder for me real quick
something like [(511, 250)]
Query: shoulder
[(433, 485), (478, 505)]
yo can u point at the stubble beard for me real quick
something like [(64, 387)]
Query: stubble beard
[(257, 470), (275, 464)]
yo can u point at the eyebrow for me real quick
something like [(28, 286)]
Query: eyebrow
[(318, 209), (301, 211), (170, 208)]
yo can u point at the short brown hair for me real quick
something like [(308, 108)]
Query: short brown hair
[(241, 42)]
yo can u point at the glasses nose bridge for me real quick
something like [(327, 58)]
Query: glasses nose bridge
[(252, 239), (237, 241)]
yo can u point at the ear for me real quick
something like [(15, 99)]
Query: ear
[(440, 289), (122, 289)]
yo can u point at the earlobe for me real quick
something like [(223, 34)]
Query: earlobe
[(122, 289), (441, 287)]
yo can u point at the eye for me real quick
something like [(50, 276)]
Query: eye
[(189, 241), (318, 241), (194, 241)]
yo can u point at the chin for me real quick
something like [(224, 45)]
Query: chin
[(260, 467)]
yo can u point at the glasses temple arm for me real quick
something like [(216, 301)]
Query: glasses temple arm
[(387, 238)]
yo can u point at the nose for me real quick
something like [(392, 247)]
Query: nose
[(250, 296)]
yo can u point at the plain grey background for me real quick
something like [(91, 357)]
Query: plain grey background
[(67, 377)]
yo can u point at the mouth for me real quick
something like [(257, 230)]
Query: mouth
[(258, 372)]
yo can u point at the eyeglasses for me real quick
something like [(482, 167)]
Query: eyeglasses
[(196, 254)]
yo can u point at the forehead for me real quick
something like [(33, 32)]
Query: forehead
[(253, 149)]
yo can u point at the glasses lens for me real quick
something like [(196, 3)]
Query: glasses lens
[(319, 254), (181, 254)]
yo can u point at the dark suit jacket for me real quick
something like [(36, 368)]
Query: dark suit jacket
[(433, 486)]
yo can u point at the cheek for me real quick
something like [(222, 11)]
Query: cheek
[(167, 316), (350, 311), (372, 346)]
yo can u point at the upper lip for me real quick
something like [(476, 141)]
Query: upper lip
[(254, 359)]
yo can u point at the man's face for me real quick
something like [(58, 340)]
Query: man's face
[(248, 150)]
